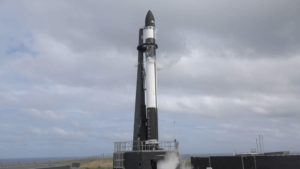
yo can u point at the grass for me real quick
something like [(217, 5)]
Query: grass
[(106, 163)]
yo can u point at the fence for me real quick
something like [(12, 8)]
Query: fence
[(143, 146)]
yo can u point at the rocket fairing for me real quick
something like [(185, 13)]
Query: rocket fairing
[(146, 120)]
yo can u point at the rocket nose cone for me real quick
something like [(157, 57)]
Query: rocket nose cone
[(149, 19)]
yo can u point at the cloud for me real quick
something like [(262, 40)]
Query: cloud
[(48, 114), (228, 71)]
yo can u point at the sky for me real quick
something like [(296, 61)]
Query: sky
[(228, 71)]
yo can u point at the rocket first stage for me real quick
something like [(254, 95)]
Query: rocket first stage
[(145, 124)]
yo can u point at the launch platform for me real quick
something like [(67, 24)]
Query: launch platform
[(143, 157)]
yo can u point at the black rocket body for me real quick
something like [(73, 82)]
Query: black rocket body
[(140, 119), (146, 119)]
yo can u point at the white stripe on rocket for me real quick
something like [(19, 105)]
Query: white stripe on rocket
[(150, 82), (148, 33)]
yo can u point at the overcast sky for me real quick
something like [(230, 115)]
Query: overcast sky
[(228, 71)]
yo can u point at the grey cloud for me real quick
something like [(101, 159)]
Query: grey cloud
[(261, 26), (228, 71)]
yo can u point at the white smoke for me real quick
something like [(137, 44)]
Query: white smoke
[(172, 161)]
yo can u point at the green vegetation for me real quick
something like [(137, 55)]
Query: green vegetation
[(106, 163)]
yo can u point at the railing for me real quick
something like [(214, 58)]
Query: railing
[(143, 146), (118, 161)]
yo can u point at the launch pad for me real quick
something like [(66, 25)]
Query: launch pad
[(144, 157)]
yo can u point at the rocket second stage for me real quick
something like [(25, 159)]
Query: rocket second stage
[(146, 80)]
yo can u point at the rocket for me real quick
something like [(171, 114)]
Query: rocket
[(146, 119), (146, 150)]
